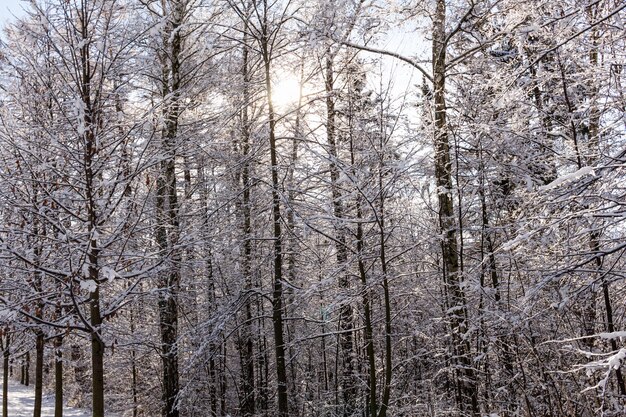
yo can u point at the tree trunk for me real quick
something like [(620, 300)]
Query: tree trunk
[(367, 318), (97, 355), (167, 232), (346, 326), (246, 337), (384, 403), (26, 370), (58, 377), (467, 398), (277, 294), (92, 250), (5, 377), (39, 350)]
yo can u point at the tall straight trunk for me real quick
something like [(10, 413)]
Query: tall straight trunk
[(92, 251), (168, 308), (168, 229), (26, 370), (277, 293), (384, 403), (348, 383), (39, 351), (262, 365), (95, 316), (367, 316), (213, 377), (594, 149), (39, 335), (133, 364), (489, 267), (97, 345), (372, 399), (58, 377), (293, 240), (467, 398), (246, 337), (610, 327), (5, 376)]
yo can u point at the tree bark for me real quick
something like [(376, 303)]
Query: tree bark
[(167, 232), (467, 398), (92, 250), (277, 293), (246, 342), (26, 370), (5, 376), (58, 377), (39, 351), (384, 403), (346, 326)]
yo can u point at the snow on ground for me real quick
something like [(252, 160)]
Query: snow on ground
[(22, 400)]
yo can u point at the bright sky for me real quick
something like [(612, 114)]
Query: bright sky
[(9, 8)]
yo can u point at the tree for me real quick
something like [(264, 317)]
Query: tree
[(86, 51)]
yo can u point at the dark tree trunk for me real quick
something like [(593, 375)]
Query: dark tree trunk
[(26, 370), (246, 342), (89, 155), (348, 384), (39, 350), (277, 293), (467, 397), (367, 318), (58, 377), (384, 402), (97, 356), (5, 376), (167, 232)]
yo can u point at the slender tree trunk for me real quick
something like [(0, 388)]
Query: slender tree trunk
[(58, 377), (133, 358), (167, 232), (246, 342), (608, 308), (39, 335), (39, 351), (213, 377), (92, 250), (346, 328), (5, 376), (384, 403), (467, 397), (293, 246), (367, 317), (97, 355), (26, 370), (95, 316), (489, 267), (372, 395), (277, 293), (133, 364)]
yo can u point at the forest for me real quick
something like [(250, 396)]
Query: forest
[(333, 208)]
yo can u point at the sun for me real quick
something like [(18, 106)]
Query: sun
[(285, 91)]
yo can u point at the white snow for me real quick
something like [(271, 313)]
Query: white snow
[(616, 360), (85, 270), (22, 400), (89, 285), (569, 177), (528, 29), (108, 273), (511, 244), (613, 335)]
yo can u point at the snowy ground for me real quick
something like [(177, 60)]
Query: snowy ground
[(22, 400)]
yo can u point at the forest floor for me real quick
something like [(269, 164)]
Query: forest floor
[(22, 400)]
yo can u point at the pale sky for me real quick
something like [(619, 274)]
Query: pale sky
[(8, 8)]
